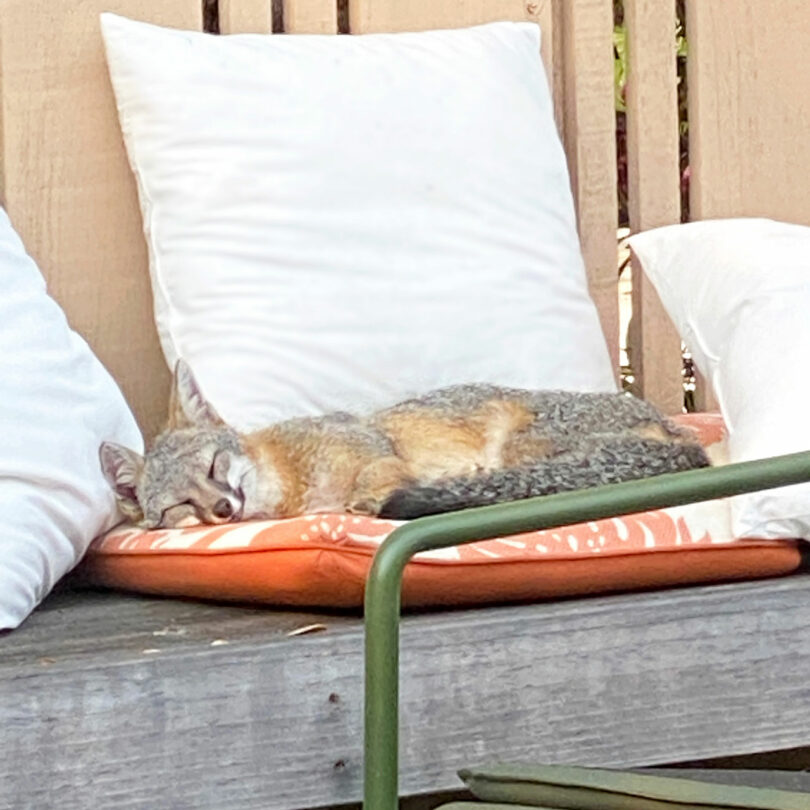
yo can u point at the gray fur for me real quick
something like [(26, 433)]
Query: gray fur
[(164, 484), (620, 459), (557, 412)]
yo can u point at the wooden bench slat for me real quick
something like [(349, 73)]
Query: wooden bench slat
[(272, 722)]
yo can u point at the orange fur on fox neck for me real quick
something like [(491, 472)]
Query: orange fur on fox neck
[(268, 451)]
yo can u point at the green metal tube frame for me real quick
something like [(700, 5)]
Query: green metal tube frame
[(383, 589)]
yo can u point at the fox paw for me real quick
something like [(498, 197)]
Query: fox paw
[(365, 506)]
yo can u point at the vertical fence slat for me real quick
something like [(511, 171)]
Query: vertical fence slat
[(310, 16), (246, 16), (749, 109), (654, 187), (590, 140), (256, 16), (558, 65), (749, 113)]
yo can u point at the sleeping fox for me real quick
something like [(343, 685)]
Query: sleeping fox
[(458, 447)]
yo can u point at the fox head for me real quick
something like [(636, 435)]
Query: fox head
[(194, 473)]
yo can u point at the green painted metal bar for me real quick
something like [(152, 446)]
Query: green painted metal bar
[(383, 589)]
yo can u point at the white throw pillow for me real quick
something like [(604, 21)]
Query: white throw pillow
[(57, 404), (738, 290), (339, 222)]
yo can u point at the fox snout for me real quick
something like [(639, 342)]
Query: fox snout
[(217, 503), (228, 508), (223, 508)]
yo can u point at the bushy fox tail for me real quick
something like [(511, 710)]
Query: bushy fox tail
[(622, 459)]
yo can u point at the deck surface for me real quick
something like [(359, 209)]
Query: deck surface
[(115, 701)]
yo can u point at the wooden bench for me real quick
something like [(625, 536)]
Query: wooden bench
[(113, 701)]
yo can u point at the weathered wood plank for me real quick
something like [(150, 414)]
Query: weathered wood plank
[(368, 16), (67, 185), (115, 627), (654, 188), (590, 141), (246, 16), (268, 721)]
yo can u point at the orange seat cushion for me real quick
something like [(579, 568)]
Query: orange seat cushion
[(323, 560)]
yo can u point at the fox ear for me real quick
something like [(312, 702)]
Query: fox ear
[(122, 468), (187, 405)]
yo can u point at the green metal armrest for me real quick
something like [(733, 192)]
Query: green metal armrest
[(383, 589)]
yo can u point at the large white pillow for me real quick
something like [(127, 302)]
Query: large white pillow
[(57, 404), (738, 290), (344, 221)]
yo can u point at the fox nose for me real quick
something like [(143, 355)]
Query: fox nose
[(223, 508)]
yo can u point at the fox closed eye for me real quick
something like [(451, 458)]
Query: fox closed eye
[(220, 466)]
